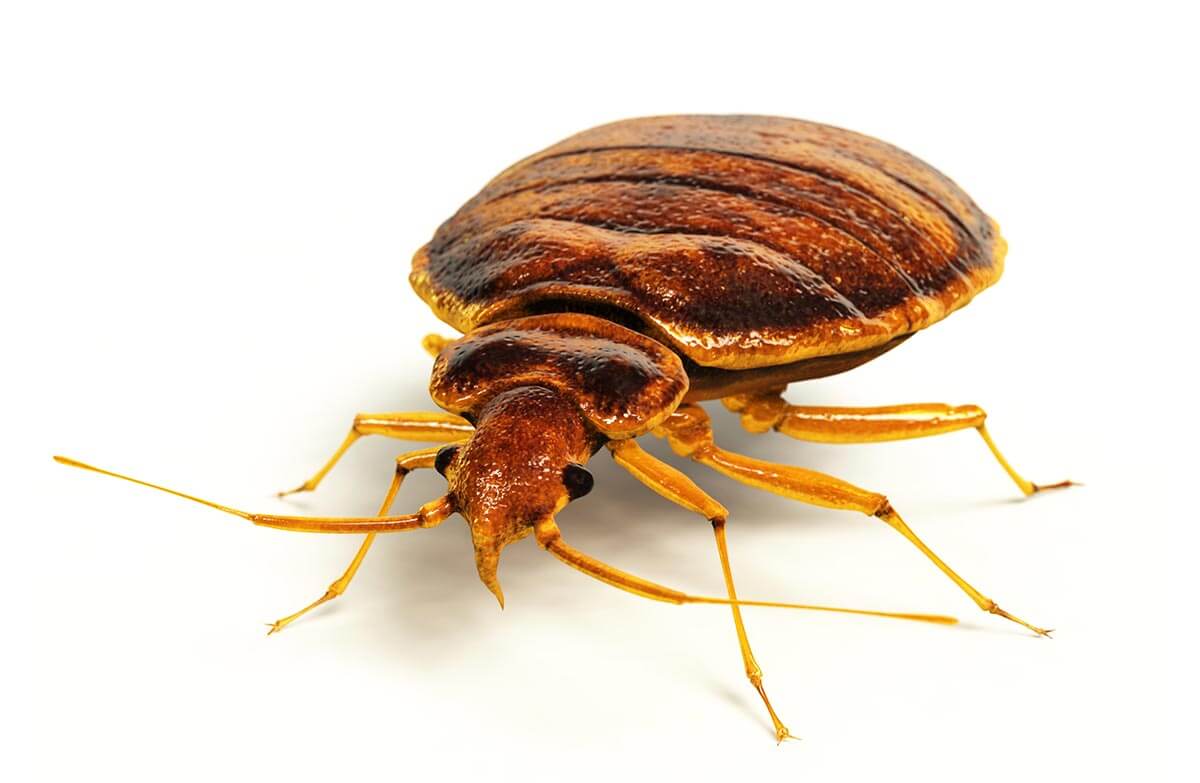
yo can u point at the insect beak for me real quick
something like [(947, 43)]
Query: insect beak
[(487, 561)]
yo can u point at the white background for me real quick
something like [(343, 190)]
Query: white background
[(207, 218)]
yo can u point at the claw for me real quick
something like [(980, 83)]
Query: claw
[(1059, 485), (306, 488), (996, 610)]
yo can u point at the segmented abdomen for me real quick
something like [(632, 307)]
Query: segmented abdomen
[(742, 241)]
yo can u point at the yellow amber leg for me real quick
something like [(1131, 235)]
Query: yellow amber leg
[(678, 488), (405, 463), (690, 434), (753, 672), (419, 426), (766, 411), (432, 513), (550, 538), (434, 343)]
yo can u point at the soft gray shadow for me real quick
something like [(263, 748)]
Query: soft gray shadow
[(1015, 498), (749, 705)]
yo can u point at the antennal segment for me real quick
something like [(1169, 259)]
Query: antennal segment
[(432, 513), (549, 537)]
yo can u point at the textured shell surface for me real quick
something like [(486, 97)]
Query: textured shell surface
[(740, 241)]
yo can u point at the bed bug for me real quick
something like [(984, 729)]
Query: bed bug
[(607, 285)]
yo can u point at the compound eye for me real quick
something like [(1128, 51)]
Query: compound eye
[(444, 456), (577, 480)]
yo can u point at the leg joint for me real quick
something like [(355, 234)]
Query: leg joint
[(977, 415), (688, 431), (883, 509), (760, 412)]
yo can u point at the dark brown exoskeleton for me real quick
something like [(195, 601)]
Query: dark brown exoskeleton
[(607, 285)]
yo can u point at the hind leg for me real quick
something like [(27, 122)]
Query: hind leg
[(689, 432), (768, 410)]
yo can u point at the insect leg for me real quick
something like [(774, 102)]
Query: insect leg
[(431, 514), (405, 463), (420, 426), (434, 343), (679, 489), (766, 411), (690, 434), (549, 538)]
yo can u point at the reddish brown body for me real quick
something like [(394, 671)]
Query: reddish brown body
[(741, 242), (624, 383)]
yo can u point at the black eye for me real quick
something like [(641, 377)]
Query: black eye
[(577, 480), (444, 455)]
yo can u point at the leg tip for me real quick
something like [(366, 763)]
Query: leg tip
[(434, 343), (1036, 488), (306, 488), (996, 610)]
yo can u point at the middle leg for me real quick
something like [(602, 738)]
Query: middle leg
[(678, 488), (689, 432), (419, 426)]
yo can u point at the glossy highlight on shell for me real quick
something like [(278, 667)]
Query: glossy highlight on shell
[(740, 241)]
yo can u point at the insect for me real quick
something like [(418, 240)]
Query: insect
[(606, 286)]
